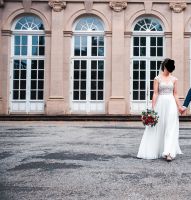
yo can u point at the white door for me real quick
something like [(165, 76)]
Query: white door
[(88, 66), (27, 66), (88, 86), (146, 57)]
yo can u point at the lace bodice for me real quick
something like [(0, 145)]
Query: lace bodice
[(166, 88)]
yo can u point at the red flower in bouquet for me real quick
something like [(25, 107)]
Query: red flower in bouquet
[(149, 118)]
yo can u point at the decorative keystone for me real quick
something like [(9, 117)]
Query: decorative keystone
[(177, 7), (118, 5), (57, 5)]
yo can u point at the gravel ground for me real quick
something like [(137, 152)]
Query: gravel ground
[(87, 161)]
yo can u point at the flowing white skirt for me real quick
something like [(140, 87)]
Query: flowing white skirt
[(163, 139)]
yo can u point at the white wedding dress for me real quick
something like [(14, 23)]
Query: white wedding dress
[(162, 139)]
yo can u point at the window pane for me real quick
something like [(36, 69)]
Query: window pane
[(17, 50), (40, 85), (142, 85), (41, 40), (23, 74), (100, 65), (153, 41), (77, 51), (77, 41), (76, 84), (159, 51), (159, 41), (76, 75), (136, 51), (94, 41), (100, 95), (24, 40), (83, 84), (101, 51), (23, 64), (83, 74), (136, 41), (16, 64), (33, 85), (23, 84), (76, 64), (40, 74), (24, 50), (34, 50), (83, 64), (15, 94), (15, 84), (135, 84), (135, 75), (135, 65), (41, 64), (93, 85), (142, 75), (84, 51), (135, 95), (17, 40), (22, 94), (100, 75), (142, 95), (76, 95), (152, 75), (93, 95), (101, 41), (93, 74), (34, 40), (40, 95), (33, 74), (143, 41), (143, 51), (94, 65), (153, 51), (41, 51), (34, 64), (83, 95), (33, 94), (16, 74), (100, 85), (94, 51)]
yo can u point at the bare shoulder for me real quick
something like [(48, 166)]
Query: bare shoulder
[(174, 78), (157, 78)]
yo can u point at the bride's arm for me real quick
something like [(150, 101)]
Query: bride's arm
[(155, 93), (175, 93)]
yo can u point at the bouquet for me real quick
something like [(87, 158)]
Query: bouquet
[(149, 118)]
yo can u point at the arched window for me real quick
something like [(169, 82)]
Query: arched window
[(88, 65), (89, 24), (28, 53), (147, 54), (29, 23), (148, 24)]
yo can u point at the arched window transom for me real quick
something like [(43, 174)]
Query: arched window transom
[(148, 24), (89, 24), (29, 23)]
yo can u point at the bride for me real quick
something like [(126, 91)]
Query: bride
[(162, 140)]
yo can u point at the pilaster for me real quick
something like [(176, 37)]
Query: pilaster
[(178, 41), (55, 103), (117, 104)]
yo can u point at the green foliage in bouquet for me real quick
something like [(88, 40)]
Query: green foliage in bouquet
[(149, 117)]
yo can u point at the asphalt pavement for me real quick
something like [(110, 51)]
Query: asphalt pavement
[(88, 161)]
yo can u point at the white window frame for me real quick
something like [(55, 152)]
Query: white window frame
[(26, 105), (138, 105)]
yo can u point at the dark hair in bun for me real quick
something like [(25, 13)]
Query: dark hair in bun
[(168, 64)]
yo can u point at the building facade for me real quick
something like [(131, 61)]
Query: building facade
[(89, 56)]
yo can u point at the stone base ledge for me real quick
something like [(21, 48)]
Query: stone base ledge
[(56, 106), (117, 105)]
